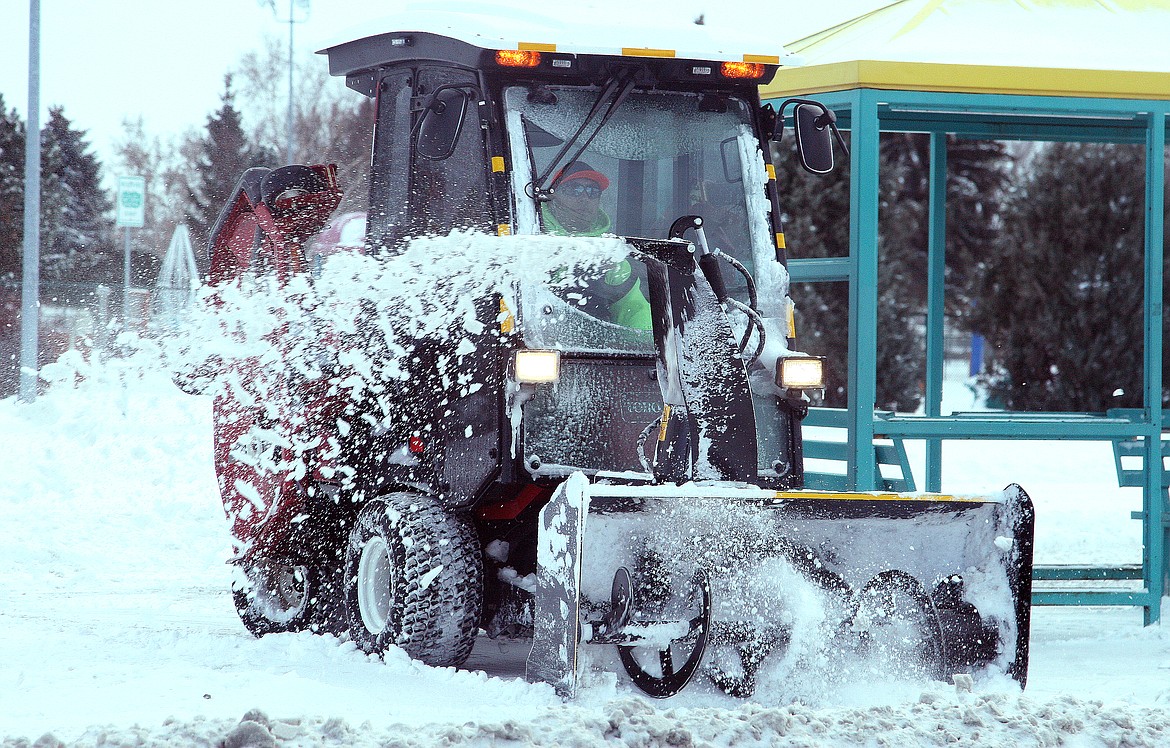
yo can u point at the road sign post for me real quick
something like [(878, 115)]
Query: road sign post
[(131, 213)]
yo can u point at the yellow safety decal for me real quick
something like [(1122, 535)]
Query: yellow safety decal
[(780, 241), (791, 318), (507, 321), (771, 172), (643, 52), (858, 496), (766, 59), (665, 420), (536, 47), (497, 164), (504, 229)]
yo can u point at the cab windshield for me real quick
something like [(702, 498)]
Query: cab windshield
[(659, 155)]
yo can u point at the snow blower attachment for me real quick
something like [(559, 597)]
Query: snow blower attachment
[(716, 582), (605, 458), (702, 574)]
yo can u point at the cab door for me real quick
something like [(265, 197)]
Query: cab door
[(431, 177)]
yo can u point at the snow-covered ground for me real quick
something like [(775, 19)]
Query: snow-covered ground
[(117, 627)]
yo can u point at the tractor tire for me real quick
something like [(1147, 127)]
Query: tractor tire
[(414, 579), (276, 597)]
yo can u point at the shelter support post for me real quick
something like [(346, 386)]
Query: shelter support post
[(935, 300), (1154, 499), (863, 287)]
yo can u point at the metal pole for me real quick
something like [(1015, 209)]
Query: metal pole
[(103, 322), (289, 159), (126, 277), (30, 287)]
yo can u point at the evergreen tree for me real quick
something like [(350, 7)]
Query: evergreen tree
[(75, 212), (11, 191), (1061, 303), (217, 159)]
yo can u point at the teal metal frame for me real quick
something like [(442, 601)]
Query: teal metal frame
[(868, 112)]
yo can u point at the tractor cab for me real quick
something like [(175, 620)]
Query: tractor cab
[(475, 130)]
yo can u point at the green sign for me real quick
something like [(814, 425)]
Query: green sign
[(131, 202)]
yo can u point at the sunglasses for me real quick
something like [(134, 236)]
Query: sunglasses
[(579, 189)]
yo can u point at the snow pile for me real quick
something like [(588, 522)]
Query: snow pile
[(937, 718)]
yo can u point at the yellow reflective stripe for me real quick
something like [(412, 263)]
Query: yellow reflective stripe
[(504, 229), (858, 496), (508, 322), (665, 419), (643, 52), (766, 59), (497, 164), (771, 172), (536, 47), (780, 241), (791, 318)]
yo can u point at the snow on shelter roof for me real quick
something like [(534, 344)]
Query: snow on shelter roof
[(501, 27), (1090, 48)]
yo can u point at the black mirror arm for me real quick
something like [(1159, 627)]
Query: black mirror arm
[(840, 138), (431, 103), (767, 120), (829, 119)]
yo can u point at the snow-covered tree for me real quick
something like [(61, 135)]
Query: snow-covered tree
[(11, 190), (75, 210)]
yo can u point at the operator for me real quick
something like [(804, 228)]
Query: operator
[(575, 210)]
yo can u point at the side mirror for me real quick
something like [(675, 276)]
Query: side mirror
[(814, 137), (440, 123)]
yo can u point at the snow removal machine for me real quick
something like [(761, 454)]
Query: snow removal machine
[(615, 468)]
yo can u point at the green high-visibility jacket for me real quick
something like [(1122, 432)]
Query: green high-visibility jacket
[(631, 309)]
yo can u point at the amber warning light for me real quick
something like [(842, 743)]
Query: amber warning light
[(742, 70), (518, 58)]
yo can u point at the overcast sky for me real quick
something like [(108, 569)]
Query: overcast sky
[(106, 61)]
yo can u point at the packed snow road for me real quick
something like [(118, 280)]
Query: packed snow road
[(117, 626)]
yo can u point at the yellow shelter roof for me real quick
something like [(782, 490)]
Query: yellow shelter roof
[(1091, 48)]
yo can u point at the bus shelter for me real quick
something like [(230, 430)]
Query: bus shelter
[(968, 96)]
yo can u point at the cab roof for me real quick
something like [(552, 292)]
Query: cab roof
[(495, 27)]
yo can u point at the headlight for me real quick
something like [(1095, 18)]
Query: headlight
[(800, 373), (532, 367)]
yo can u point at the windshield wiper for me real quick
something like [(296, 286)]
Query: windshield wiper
[(615, 92)]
